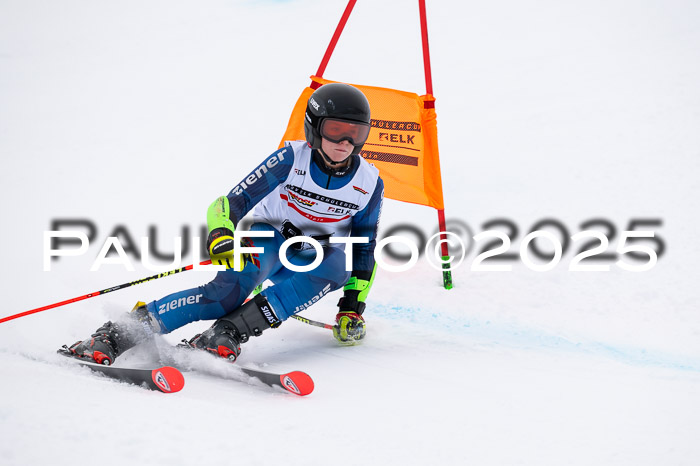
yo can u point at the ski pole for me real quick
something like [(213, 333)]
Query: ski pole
[(259, 288), (106, 290), (313, 322)]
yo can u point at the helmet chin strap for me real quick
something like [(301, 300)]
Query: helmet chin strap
[(332, 162), (332, 166)]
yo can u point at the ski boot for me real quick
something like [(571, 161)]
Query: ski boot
[(224, 338), (113, 338)]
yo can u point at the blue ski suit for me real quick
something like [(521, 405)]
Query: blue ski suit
[(291, 291)]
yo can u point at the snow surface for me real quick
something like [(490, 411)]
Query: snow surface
[(140, 113)]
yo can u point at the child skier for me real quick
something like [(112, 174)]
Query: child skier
[(319, 188)]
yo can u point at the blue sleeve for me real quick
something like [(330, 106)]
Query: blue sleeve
[(366, 223), (272, 172)]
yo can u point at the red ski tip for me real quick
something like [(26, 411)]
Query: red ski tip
[(168, 379), (297, 382)]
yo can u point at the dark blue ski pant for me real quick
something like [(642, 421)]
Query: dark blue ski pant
[(290, 293)]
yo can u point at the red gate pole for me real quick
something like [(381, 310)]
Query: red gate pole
[(334, 41), (446, 273)]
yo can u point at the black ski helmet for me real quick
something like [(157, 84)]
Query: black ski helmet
[(334, 100)]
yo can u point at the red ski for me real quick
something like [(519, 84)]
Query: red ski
[(297, 382), (165, 379)]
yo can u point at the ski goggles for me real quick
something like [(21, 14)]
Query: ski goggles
[(344, 130)]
